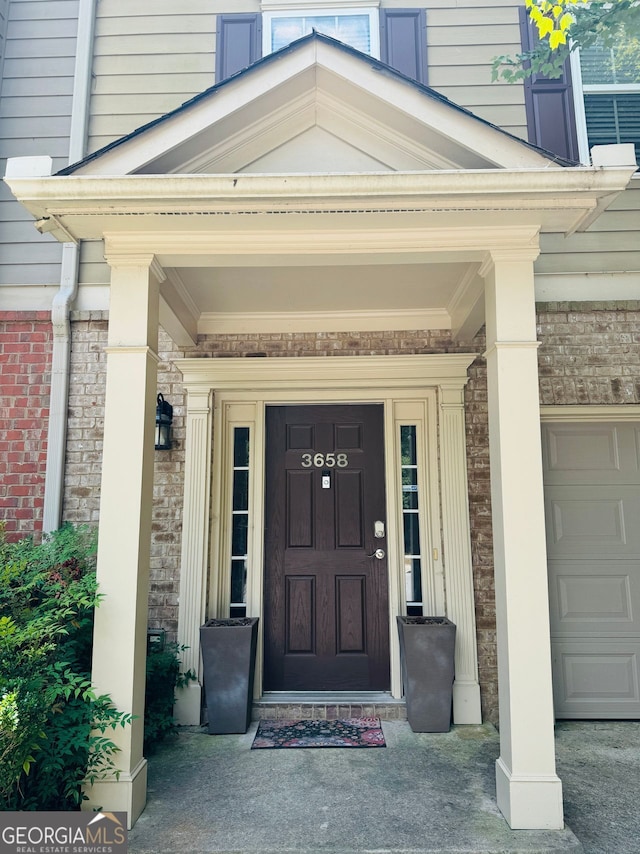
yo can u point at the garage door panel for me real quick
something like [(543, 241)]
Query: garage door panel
[(596, 679), (594, 598), (598, 520), (606, 453), (592, 507)]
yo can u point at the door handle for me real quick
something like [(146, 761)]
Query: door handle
[(379, 554)]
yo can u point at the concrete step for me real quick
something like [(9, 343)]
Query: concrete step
[(324, 706)]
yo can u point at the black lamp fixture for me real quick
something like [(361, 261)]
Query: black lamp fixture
[(164, 420)]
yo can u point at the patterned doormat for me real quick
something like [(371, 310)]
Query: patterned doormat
[(349, 732)]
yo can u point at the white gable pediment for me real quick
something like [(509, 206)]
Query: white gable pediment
[(316, 150), (320, 107)]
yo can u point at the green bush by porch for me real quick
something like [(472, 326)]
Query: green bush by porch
[(53, 729)]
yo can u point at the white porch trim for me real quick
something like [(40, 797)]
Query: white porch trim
[(195, 548), (250, 384), (459, 565)]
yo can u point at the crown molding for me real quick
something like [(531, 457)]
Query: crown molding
[(232, 323), (333, 373)]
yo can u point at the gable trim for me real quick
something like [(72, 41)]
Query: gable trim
[(354, 127), (199, 119)]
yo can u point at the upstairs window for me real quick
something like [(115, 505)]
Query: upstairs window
[(357, 28), (611, 89), (396, 36)]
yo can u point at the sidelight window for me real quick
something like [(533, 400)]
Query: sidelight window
[(413, 557), (239, 521)]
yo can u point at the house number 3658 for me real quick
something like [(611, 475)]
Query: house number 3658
[(325, 460)]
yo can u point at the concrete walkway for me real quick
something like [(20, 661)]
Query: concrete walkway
[(423, 793)]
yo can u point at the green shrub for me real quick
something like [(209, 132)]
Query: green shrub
[(52, 726), (163, 677)]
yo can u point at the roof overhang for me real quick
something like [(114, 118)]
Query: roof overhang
[(74, 208)]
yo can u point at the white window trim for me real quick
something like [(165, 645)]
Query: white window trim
[(300, 10), (578, 104), (606, 88), (417, 413)]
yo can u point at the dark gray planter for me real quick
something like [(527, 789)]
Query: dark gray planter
[(229, 657), (427, 647)]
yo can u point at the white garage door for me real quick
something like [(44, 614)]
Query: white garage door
[(592, 505)]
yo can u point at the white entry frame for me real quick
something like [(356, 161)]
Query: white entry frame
[(426, 390)]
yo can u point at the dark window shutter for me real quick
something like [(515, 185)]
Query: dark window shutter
[(238, 44), (551, 119), (403, 41)]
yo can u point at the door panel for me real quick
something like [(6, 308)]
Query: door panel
[(326, 597)]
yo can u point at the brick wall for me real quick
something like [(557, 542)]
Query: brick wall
[(478, 475), (166, 527), (589, 354), (25, 366), (87, 380)]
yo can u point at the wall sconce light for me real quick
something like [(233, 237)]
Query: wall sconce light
[(164, 420)]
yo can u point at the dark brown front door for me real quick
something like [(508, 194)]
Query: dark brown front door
[(326, 597)]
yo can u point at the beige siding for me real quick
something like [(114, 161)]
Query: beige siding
[(161, 60), (93, 269), (35, 110), (462, 39), (147, 64), (609, 245)]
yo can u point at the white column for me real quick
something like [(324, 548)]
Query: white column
[(457, 554), (120, 633), (195, 549), (529, 792)]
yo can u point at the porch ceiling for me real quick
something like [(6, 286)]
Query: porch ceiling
[(314, 288), (336, 297)]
